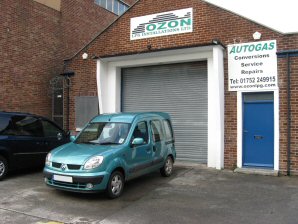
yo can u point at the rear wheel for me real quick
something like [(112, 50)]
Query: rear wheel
[(3, 167), (115, 185), (167, 169)]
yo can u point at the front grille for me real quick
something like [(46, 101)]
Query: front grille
[(64, 184), (56, 165), (73, 167), (69, 166)]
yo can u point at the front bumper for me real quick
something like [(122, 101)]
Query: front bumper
[(81, 182)]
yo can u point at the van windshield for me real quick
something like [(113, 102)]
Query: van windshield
[(103, 133)]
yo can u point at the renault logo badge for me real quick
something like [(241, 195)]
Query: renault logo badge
[(63, 167)]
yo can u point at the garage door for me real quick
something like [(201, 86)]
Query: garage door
[(180, 90)]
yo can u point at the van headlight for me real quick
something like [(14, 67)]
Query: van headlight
[(48, 158), (93, 162)]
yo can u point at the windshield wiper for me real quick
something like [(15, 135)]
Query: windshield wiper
[(109, 143), (91, 143)]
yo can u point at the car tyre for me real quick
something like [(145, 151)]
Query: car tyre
[(3, 167), (167, 169), (115, 185)]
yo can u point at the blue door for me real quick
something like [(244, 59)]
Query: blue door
[(258, 130)]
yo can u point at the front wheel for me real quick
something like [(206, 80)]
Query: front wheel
[(115, 185), (3, 167), (167, 169)]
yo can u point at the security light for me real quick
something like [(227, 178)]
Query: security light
[(257, 35), (84, 56)]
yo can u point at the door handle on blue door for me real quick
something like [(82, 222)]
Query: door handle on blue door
[(258, 137)]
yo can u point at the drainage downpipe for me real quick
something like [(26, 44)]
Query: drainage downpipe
[(288, 54), (289, 116), (67, 76)]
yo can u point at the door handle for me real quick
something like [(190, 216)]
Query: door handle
[(154, 149), (258, 137)]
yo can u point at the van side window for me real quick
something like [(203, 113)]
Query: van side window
[(6, 126), (49, 129), (27, 126), (141, 131), (168, 130), (156, 130), (21, 125)]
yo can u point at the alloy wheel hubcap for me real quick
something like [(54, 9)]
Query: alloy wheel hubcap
[(169, 166), (2, 168), (116, 184)]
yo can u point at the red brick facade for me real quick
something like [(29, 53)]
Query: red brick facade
[(81, 21), (210, 22), (34, 40)]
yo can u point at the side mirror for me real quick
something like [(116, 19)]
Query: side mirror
[(137, 141), (72, 138), (59, 136)]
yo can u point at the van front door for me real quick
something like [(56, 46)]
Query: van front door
[(140, 156)]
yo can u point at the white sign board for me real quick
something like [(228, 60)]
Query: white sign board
[(161, 24), (252, 66)]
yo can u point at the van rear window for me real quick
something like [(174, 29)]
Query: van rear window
[(4, 124), (168, 130)]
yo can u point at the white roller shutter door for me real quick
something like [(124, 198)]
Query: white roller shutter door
[(180, 90)]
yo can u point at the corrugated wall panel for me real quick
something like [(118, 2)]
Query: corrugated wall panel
[(180, 90)]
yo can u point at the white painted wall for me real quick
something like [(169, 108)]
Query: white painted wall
[(216, 109), (109, 87)]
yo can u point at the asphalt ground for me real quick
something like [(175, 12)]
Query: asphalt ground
[(193, 194)]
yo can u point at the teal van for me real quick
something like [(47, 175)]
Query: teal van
[(110, 150)]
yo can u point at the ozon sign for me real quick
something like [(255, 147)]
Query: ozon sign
[(161, 24)]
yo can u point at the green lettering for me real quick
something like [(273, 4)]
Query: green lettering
[(233, 50), (151, 27), (271, 46), (185, 22), (162, 26), (173, 24), (258, 47), (239, 49), (265, 47), (251, 48)]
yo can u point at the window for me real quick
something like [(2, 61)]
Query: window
[(141, 131), (49, 129), (26, 126), (156, 130), (122, 8), (110, 5), (116, 6), (104, 133), (168, 130), (5, 125)]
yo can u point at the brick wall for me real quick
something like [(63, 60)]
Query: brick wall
[(294, 115), (290, 42), (210, 22), (34, 40), (130, 2), (30, 55), (81, 22)]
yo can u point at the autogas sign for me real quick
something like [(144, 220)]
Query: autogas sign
[(252, 66), (161, 24)]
